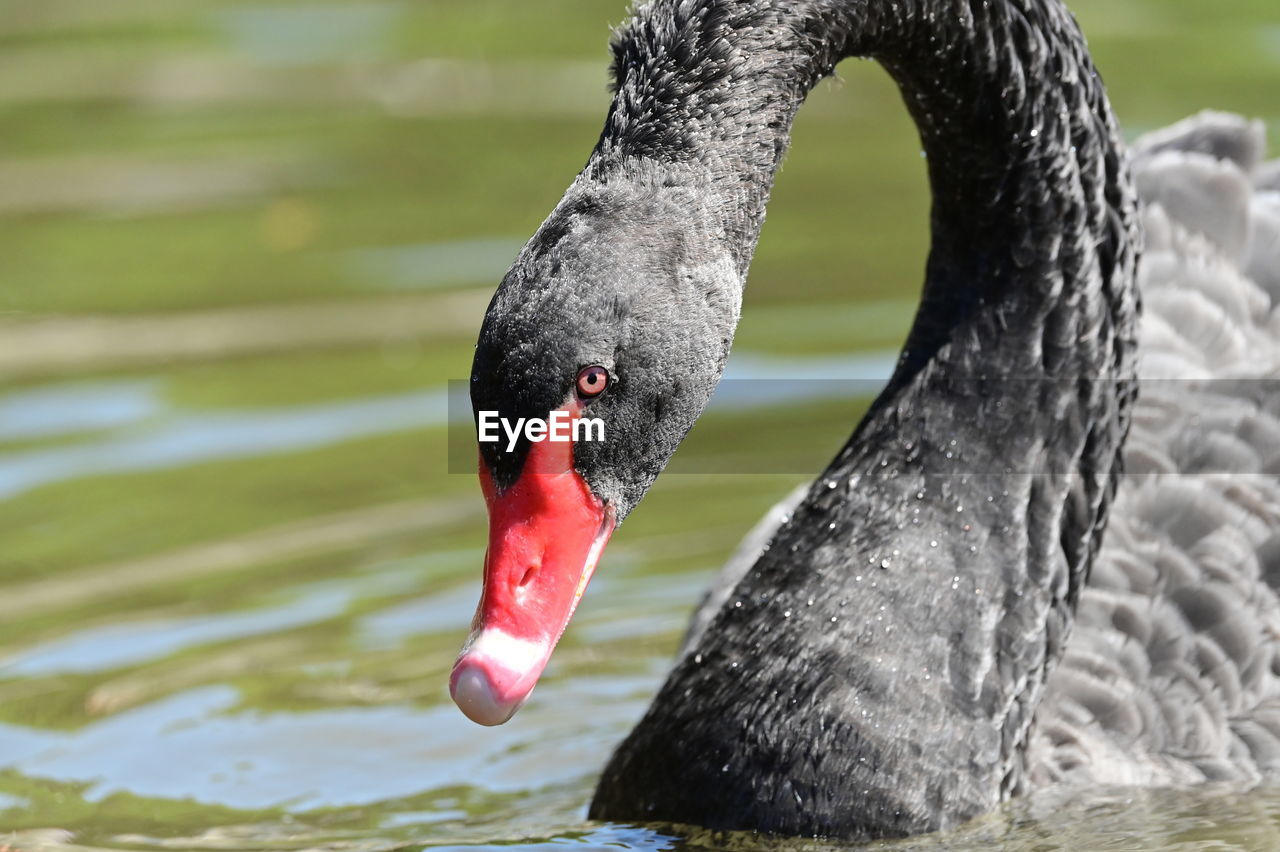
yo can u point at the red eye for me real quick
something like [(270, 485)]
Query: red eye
[(592, 380)]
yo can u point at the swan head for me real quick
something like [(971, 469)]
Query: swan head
[(612, 328)]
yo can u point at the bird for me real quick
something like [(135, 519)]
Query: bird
[(1049, 552)]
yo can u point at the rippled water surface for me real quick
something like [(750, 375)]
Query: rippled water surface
[(244, 248)]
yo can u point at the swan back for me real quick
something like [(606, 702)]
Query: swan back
[(1172, 674)]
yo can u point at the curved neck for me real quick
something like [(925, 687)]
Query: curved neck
[(1030, 195), (966, 508)]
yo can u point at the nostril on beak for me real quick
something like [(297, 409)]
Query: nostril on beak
[(528, 575)]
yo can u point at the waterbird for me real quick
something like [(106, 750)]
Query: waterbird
[(1048, 553)]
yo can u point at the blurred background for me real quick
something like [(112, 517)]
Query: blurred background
[(243, 248)]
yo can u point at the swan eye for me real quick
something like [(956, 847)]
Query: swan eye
[(592, 380)]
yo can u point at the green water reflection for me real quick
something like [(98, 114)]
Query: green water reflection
[(244, 248)]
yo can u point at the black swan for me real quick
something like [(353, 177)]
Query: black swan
[(946, 617)]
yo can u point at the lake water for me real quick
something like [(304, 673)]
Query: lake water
[(244, 247)]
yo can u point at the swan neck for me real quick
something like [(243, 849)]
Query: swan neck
[(705, 92), (950, 538)]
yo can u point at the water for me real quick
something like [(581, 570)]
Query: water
[(245, 246)]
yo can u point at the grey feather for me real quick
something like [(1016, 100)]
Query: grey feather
[(1171, 674), (1263, 264), (1268, 176), (1218, 135)]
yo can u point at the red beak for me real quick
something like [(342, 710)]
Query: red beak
[(546, 533)]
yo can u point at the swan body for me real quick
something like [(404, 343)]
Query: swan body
[(988, 590), (1170, 674)]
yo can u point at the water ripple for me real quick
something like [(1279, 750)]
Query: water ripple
[(191, 438), (253, 759), (69, 409)]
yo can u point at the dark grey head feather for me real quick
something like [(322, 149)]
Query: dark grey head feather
[(626, 276)]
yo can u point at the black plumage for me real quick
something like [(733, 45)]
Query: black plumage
[(898, 654)]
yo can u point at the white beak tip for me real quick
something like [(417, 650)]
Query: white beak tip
[(477, 698)]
